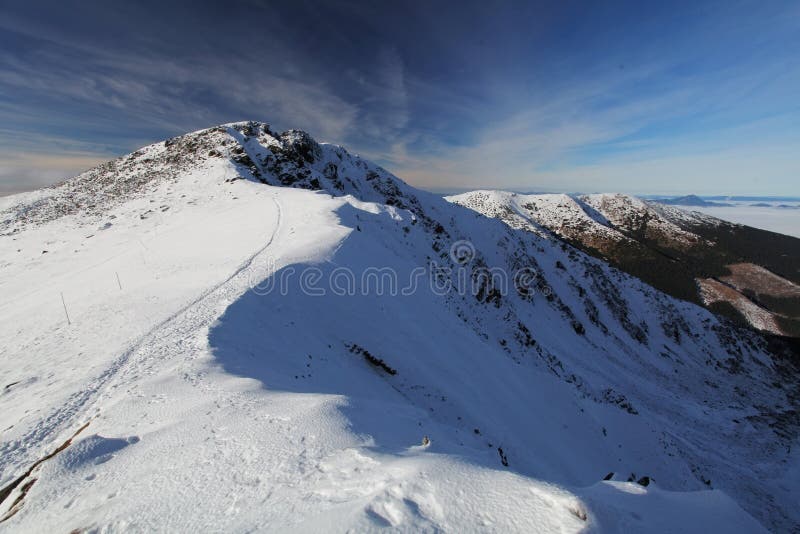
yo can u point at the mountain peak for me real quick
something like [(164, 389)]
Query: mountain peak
[(250, 149)]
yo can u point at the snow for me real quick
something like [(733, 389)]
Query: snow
[(627, 212), (626, 507), (217, 403), (748, 276), (613, 225), (712, 291), (589, 218)]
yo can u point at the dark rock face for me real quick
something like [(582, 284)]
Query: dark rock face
[(301, 146)]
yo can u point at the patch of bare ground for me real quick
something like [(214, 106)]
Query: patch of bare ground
[(748, 276), (29, 480), (712, 291)]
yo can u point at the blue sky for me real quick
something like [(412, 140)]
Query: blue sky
[(639, 97)]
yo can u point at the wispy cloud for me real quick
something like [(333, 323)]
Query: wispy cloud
[(604, 134), (572, 102)]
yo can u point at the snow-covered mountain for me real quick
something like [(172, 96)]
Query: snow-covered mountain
[(242, 330), (746, 274)]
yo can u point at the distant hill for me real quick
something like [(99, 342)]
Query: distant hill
[(690, 200)]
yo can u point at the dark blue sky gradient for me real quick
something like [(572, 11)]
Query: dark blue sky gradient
[(642, 97)]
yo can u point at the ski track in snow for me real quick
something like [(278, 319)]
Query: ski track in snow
[(195, 316)]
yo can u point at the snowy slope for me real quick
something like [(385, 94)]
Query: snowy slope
[(238, 371), (688, 255)]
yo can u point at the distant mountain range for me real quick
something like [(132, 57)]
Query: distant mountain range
[(689, 200), (726, 201)]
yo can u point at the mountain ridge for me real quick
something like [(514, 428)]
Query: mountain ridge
[(546, 384), (686, 254)]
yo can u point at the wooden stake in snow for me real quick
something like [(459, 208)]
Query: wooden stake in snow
[(65, 308), (118, 282)]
